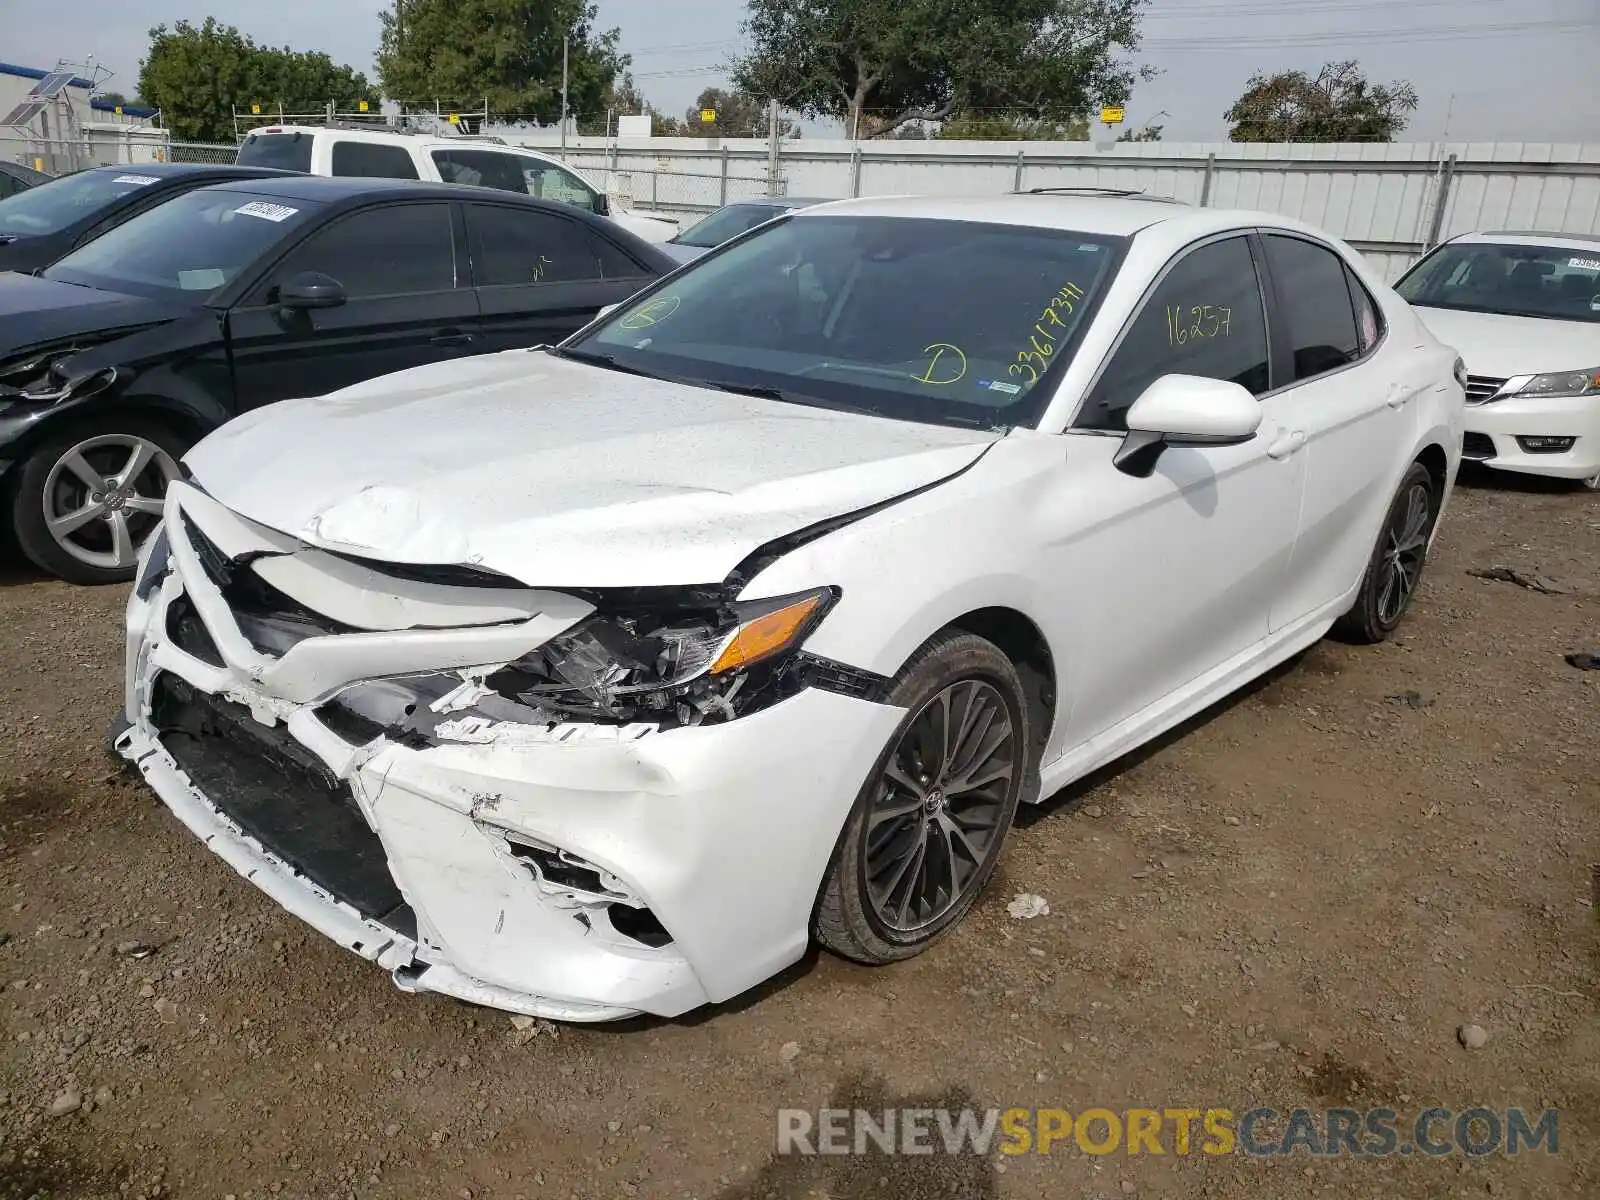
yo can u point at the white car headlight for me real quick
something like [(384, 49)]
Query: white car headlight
[(1563, 383)]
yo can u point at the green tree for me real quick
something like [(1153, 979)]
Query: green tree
[(904, 61), (1338, 105), (738, 114), (1145, 133), (505, 51), (1009, 129), (197, 75), (621, 99)]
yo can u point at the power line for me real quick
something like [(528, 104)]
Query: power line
[(1439, 33)]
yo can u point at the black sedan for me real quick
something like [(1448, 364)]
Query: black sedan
[(117, 358), (39, 225), (14, 178)]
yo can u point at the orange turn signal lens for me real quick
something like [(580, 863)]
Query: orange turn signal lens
[(766, 634)]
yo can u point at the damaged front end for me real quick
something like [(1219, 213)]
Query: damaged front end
[(518, 797)]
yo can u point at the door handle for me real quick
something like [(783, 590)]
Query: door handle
[(1287, 444), (451, 339), (1398, 395)]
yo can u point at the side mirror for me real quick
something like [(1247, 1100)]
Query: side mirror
[(602, 204), (311, 289), (1185, 410)]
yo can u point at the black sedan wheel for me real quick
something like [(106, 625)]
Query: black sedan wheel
[(927, 828), (88, 497)]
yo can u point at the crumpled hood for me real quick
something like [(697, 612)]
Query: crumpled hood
[(561, 474), (36, 312), (1500, 346)]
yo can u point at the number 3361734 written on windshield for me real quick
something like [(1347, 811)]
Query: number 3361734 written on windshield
[(1034, 359), (1196, 322)]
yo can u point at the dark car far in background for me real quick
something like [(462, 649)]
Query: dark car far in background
[(14, 178), (730, 221), (114, 360), (39, 225)]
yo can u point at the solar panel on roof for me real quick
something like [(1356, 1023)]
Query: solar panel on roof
[(52, 84), (24, 112)]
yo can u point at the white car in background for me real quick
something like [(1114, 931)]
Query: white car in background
[(603, 679), (1524, 311), (472, 160)]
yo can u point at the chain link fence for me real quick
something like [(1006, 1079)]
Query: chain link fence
[(690, 193), (122, 148)]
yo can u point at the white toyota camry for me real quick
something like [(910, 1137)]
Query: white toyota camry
[(602, 679), (1524, 310)]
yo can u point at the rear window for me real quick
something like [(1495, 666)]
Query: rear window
[(373, 160), (726, 223), (285, 151), (1517, 280)]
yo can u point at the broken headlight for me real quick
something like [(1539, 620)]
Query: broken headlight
[(680, 666), (50, 377)]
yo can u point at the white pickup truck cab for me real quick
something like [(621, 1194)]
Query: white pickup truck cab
[(479, 161)]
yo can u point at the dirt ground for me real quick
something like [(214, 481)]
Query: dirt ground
[(1295, 901)]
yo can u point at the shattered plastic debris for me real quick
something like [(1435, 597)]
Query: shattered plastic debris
[(1584, 661), (465, 696), (1524, 579), (1025, 906)]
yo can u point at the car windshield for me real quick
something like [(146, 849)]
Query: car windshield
[(285, 151), (186, 248), (1518, 280), (726, 223), (949, 322), (51, 207)]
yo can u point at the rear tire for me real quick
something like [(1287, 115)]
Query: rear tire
[(926, 830), (1395, 568), (89, 494)]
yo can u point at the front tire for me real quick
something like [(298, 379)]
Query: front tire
[(926, 830), (1395, 569), (90, 493)]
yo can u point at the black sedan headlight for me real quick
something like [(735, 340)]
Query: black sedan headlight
[(682, 666), (48, 377)]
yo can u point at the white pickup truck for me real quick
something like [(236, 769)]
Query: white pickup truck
[(480, 161)]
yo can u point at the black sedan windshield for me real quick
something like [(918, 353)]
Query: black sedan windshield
[(186, 248), (51, 207), (1517, 280), (943, 321)]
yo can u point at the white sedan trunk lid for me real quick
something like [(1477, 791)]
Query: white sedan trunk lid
[(560, 474)]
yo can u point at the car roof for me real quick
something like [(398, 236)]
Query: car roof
[(1509, 237), (1165, 220), (170, 170), (332, 189)]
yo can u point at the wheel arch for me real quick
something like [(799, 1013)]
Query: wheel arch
[(184, 418), (1021, 640), (1433, 457)]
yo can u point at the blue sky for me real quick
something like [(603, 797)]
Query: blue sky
[(1504, 70)]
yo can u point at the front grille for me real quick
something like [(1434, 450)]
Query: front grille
[(281, 794), (1477, 446), (1481, 387)]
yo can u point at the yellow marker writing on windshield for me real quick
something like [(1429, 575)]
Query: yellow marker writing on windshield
[(652, 313), (946, 358)]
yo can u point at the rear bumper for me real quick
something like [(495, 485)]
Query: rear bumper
[(1499, 424)]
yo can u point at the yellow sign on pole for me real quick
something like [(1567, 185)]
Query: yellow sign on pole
[(455, 118), (255, 110), (708, 116), (362, 106), (1112, 114), (117, 110)]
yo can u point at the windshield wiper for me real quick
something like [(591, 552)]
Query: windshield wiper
[(608, 361), (806, 398)]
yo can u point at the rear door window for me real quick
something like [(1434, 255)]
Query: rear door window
[(283, 151), (481, 168), (522, 245), (373, 160), (1315, 299)]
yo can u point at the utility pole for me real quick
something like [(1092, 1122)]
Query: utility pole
[(565, 41), (774, 147)]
